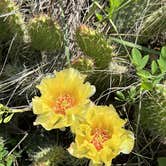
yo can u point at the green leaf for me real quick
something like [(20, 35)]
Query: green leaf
[(132, 92), (162, 161), (114, 4), (154, 67), (137, 59), (136, 55), (146, 85), (144, 74), (144, 61), (8, 118), (99, 16), (162, 64), (120, 95), (157, 79), (163, 52)]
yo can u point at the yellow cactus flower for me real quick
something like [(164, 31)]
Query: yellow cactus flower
[(62, 97), (101, 136)]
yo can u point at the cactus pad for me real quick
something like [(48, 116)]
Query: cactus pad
[(45, 34), (11, 21), (94, 45)]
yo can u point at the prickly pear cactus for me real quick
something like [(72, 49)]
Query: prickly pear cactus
[(45, 34), (153, 111), (11, 21), (94, 45), (153, 24), (56, 156)]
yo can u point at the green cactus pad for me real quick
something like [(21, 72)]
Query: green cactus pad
[(11, 21), (94, 45), (45, 34), (153, 111)]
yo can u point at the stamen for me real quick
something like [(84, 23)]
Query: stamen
[(63, 103), (99, 137)]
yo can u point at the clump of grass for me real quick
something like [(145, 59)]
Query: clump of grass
[(153, 25)]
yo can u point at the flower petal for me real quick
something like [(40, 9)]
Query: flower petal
[(62, 97), (128, 142), (50, 121)]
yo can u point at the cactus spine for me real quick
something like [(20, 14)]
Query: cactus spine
[(45, 34)]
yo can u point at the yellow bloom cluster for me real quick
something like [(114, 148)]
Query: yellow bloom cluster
[(64, 101), (100, 135)]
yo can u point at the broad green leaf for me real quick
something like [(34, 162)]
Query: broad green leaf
[(154, 67), (136, 57), (162, 64), (144, 74), (144, 61), (163, 52), (136, 54), (162, 161)]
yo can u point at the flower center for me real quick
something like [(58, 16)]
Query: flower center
[(99, 137), (63, 103)]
